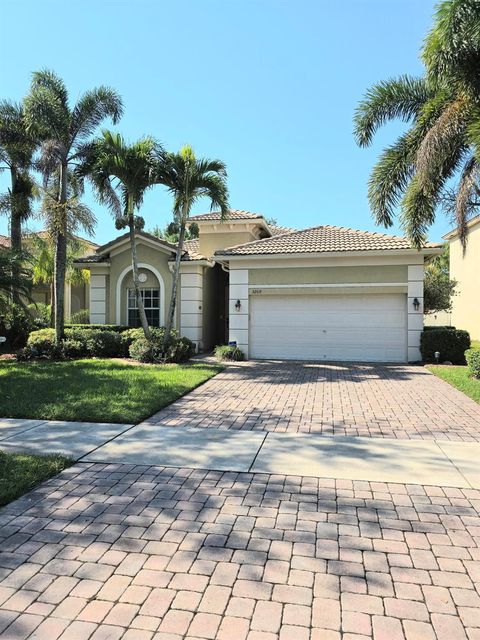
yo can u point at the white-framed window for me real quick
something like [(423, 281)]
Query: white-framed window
[(151, 302)]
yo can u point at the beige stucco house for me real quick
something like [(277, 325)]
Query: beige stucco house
[(325, 293), (465, 269)]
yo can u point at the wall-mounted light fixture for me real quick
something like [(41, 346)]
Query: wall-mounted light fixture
[(238, 305), (416, 304)]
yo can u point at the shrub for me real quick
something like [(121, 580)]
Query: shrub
[(144, 350), (451, 343), (229, 352), (40, 335), (15, 324), (78, 343), (472, 357), (104, 344), (179, 349), (72, 349), (42, 349)]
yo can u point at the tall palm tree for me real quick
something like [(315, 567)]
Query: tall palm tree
[(188, 179), (442, 142), (65, 132), (121, 173), (17, 147)]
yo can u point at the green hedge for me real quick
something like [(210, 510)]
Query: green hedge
[(451, 343), (83, 341)]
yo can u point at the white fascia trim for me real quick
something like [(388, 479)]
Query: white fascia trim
[(327, 254), (118, 291), (323, 285)]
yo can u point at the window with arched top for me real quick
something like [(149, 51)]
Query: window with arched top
[(152, 290), (151, 302)]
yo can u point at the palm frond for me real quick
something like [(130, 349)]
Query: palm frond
[(389, 178), (401, 98), (466, 201), (442, 141), (92, 109)]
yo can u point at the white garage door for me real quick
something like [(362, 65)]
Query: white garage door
[(368, 328)]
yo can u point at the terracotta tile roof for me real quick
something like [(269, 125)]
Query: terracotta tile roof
[(321, 239), (4, 242), (235, 214), (192, 251)]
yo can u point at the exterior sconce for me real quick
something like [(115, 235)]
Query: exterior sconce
[(416, 304), (238, 305)]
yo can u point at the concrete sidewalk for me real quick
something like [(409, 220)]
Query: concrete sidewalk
[(352, 458), (71, 439), (450, 464)]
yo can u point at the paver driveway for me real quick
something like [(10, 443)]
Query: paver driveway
[(142, 553), (392, 401)]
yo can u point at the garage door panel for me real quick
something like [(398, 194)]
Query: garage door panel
[(367, 328)]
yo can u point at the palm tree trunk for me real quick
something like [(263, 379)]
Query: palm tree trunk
[(61, 256), (15, 232), (136, 281), (52, 303), (176, 275)]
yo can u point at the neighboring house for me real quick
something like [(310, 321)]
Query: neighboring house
[(465, 269), (76, 296), (325, 293)]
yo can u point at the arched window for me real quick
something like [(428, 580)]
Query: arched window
[(151, 302)]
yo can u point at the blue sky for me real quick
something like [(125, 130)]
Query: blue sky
[(268, 86)]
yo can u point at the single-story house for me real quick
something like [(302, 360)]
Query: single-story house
[(76, 294), (464, 268), (324, 293)]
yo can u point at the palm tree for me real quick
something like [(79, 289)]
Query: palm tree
[(14, 277), (443, 140), (65, 132), (121, 174), (17, 147), (188, 179)]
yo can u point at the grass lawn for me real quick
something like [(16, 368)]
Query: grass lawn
[(459, 377), (94, 390), (20, 472)]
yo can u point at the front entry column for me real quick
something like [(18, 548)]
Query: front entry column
[(191, 304), (238, 308)]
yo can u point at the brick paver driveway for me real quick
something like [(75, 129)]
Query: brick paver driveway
[(392, 401), (145, 553)]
